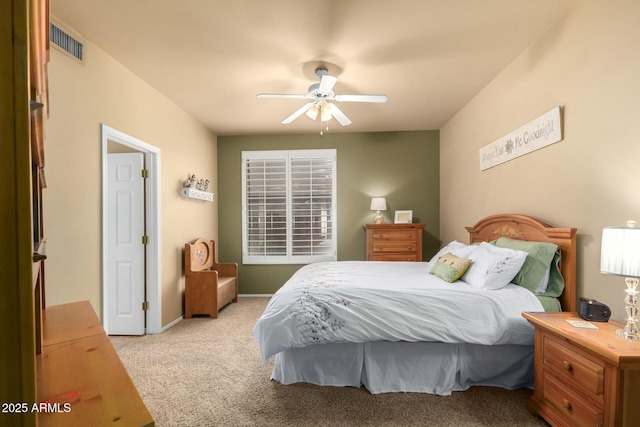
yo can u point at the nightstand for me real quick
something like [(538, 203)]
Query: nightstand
[(582, 376), (394, 242)]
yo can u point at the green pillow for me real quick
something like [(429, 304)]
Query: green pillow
[(449, 267), (550, 304), (539, 257), (556, 281)]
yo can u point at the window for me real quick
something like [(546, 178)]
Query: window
[(288, 206)]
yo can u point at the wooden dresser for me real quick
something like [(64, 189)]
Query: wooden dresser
[(584, 377), (394, 242)]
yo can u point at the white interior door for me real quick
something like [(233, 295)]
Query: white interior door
[(125, 257)]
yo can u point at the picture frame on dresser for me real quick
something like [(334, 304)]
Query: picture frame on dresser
[(403, 217)]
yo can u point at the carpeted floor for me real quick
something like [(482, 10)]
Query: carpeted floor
[(204, 372)]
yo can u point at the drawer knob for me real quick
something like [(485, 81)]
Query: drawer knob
[(567, 366), (566, 404)]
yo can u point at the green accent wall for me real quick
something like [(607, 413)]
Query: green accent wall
[(403, 167)]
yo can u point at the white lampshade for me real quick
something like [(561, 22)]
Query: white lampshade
[(324, 110), (312, 112), (378, 204), (620, 253)]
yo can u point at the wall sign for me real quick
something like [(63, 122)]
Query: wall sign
[(540, 132)]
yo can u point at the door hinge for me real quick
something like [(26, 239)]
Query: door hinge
[(145, 240), (145, 305), (145, 173)]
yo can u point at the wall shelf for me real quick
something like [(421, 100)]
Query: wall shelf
[(192, 193)]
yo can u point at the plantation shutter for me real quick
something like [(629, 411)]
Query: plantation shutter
[(289, 206)]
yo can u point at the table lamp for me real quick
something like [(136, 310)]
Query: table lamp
[(620, 255), (378, 204)]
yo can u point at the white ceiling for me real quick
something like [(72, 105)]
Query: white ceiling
[(212, 57)]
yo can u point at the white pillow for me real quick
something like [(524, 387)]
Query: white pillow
[(465, 251), (493, 267), (449, 247)]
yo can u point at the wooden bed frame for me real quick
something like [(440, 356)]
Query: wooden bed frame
[(522, 227)]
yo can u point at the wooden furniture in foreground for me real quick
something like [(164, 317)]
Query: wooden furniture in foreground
[(208, 286), (80, 378), (24, 44), (584, 377), (394, 242)]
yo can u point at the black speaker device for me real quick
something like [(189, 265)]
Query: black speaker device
[(594, 311)]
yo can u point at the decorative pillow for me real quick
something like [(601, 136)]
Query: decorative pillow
[(534, 274), (493, 267), (449, 267)]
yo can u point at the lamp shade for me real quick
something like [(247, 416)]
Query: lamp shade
[(312, 112), (378, 204), (620, 252), (323, 109)]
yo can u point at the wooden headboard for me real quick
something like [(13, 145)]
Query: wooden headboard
[(522, 227)]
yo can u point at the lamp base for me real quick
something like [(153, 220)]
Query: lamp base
[(378, 218), (630, 331), (627, 336)]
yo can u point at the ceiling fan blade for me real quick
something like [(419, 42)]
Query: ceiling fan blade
[(361, 98), (300, 111), (339, 115), (282, 95), (327, 83)]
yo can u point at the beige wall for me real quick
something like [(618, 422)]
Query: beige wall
[(589, 63), (83, 97)]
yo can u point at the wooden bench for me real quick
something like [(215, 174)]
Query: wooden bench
[(80, 378), (208, 285)]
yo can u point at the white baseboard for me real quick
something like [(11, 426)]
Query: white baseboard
[(178, 320)]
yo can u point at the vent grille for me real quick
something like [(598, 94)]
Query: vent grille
[(65, 42)]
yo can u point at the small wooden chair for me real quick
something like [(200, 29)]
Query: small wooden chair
[(208, 286)]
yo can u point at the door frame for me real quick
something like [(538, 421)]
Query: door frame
[(152, 217)]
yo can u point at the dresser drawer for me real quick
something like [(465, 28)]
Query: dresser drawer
[(395, 257), (575, 410), (573, 368), (384, 247), (395, 235), (394, 242)]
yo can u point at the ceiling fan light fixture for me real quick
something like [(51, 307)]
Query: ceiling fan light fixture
[(312, 112), (325, 112), (324, 109)]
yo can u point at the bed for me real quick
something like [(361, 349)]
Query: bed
[(407, 327)]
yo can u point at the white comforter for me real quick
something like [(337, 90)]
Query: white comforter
[(362, 301)]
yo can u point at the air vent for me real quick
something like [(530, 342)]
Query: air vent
[(65, 42)]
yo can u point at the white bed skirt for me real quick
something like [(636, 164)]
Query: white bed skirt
[(422, 367)]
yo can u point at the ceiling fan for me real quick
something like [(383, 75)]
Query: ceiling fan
[(320, 93)]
